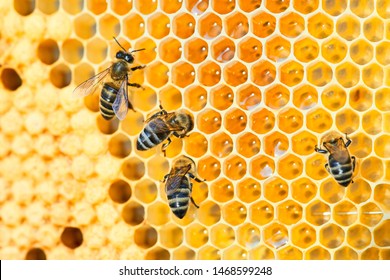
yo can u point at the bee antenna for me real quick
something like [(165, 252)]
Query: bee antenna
[(119, 43), (138, 50)]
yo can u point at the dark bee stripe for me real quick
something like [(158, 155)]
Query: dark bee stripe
[(149, 138), (107, 98), (179, 196), (342, 172)]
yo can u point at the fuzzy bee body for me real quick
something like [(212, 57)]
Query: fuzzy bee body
[(340, 164), (114, 100), (178, 186), (160, 126)]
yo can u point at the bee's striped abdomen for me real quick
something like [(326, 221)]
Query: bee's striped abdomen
[(178, 194), (149, 137), (107, 98), (341, 171)]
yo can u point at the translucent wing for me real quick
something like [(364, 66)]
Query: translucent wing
[(121, 103), (90, 85)]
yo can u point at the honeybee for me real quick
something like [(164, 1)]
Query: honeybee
[(114, 98), (160, 126), (340, 164), (178, 185)]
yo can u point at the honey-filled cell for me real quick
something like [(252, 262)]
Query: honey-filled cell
[(183, 253), (345, 213), (234, 167), (209, 168), (248, 190), (263, 73), (221, 97), (333, 97), (303, 235), (209, 26), (277, 48), (221, 144), (347, 74), (261, 167), (197, 7), (361, 51), (235, 121), (318, 213), (234, 213), (196, 50), (170, 50), (263, 24), (275, 189), (195, 98), (196, 235), (275, 235), (248, 96), (248, 144), (334, 50), (183, 74), (382, 195), (248, 235), (250, 49), (195, 144), (235, 73), (292, 25), (306, 49), (209, 73), (236, 25), (209, 253), (183, 25), (305, 97), (209, 121), (289, 212), (261, 213), (320, 26), (209, 214)]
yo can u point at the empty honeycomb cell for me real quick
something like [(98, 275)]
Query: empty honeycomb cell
[(72, 237), (290, 167), (234, 167), (306, 49), (370, 214), (158, 213), (371, 253), (157, 74), (85, 26), (359, 191), (119, 191), (83, 72), (372, 169), (347, 74), (196, 235), (109, 26), (235, 121), (235, 73), (277, 48), (221, 97), (291, 25), (382, 195), (347, 121), (60, 75), (234, 252), (320, 26), (381, 234), (234, 213), (248, 144), (334, 97), (303, 235), (372, 122), (331, 236), (248, 190), (263, 24), (345, 213), (96, 50), (290, 120), (348, 27), (119, 145), (276, 144), (170, 50), (157, 253), (209, 213), (373, 75), (359, 236), (209, 26), (183, 253), (145, 7), (318, 213), (157, 167), (262, 167), (195, 144), (145, 191), (331, 191), (362, 8), (261, 213), (236, 25), (133, 168), (209, 121), (196, 50), (133, 26), (145, 236), (263, 73), (36, 254), (183, 74), (319, 74), (361, 51), (107, 127), (289, 212), (334, 50), (209, 168), (223, 49), (303, 190), (10, 79), (303, 143), (209, 253), (275, 189), (48, 51), (275, 235), (171, 236), (291, 73), (133, 213), (250, 49), (195, 98), (345, 253), (209, 73), (24, 7), (221, 144), (72, 50), (373, 29)]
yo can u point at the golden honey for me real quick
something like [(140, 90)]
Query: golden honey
[(263, 81)]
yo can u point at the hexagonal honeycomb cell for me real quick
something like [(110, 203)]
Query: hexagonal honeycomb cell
[(263, 80)]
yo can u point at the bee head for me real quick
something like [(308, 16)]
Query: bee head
[(183, 162), (125, 56), (185, 120)]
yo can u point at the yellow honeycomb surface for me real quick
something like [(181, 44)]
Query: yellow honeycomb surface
[(264, 80)]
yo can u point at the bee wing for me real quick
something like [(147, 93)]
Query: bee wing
[(121, 103), (90, 85)]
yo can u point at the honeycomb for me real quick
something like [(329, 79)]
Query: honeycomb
[(264, 80)]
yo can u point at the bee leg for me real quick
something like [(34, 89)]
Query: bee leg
[(193, 202), (349, 141), (327, 168), (165, 146), (165, 178), (135, 85), (318, 150), (137, 67), (353, 163), (196, 178)]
